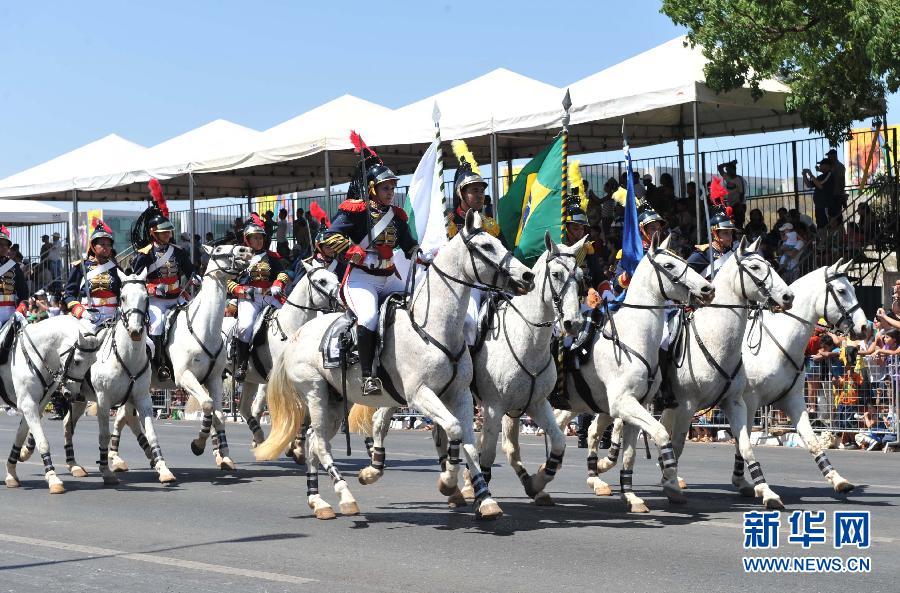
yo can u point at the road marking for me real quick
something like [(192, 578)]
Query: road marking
[(163, 560)]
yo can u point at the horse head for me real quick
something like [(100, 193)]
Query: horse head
[(841, 310), (227, 260), (562, 278), (322, 288), (675, 280), (484, 260), (133, 305), (758, 281)]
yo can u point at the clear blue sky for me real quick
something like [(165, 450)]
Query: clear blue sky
[(72, 72)]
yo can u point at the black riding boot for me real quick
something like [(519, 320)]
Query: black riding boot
[(162, 370), (366, 341), (242, 354), (665, 398)]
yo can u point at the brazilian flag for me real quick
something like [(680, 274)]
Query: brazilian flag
[(533, 205)]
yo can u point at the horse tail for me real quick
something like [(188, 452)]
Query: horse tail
[(286, 410), (361, 419)]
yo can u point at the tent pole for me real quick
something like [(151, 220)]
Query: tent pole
[(697, 169), (74, 237), (681, 184), (494, 180), (327, 181), (192, 216)]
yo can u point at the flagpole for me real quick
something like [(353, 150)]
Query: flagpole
[(436, 118), (564, 189)]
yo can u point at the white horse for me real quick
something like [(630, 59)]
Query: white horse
[(196, 348), (621, 373), (45, 356), (424, 358), (120, 375), (774, 357), (706, 368), (316, 292)]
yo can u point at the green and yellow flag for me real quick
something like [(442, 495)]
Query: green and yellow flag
[(532, 205)]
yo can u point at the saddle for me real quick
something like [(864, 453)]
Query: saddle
[(340, 342), (573, 357), (7, 337), (167, 330), (486, 315), (260, 329)]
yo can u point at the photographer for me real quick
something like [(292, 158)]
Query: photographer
[(826, 204)]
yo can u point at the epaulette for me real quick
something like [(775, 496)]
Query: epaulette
[(703, 247), (452, 229), (619, 254), (353, 206), (146, 248), (589, 248), (77, 262), (490, 225), (400, 213), (274, 254)]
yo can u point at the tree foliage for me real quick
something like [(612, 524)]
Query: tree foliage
[(839, 57)]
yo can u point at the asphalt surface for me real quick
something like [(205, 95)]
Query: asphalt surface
[(251, 531)]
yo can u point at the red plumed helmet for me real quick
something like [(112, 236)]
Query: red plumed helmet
[(717, 191), (157, 194)]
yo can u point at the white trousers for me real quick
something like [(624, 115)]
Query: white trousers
[(102, 314), (470, 325), (363, 293), (248, 311), (158, 310)]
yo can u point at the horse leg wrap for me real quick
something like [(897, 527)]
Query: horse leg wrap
[(48, 463), (206, 425), (523, 474), (625, 477), (70, 453), (378, 458), (613, 454), (14, 454), (442, 461), (114, 443), (30, 442), (552, 464), (756, 473), (253, 424), (155, 455), (312, 483), (369, 442), (223, 442), (453, 452), (479, 485), (103, 462), (667, 457), (738, 466), (335, 474), (486, 472), (144, 444), (592, 465), (824, 465)]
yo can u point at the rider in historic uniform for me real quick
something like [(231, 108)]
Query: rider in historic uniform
[(264, 276), (649, 223), (169, 269), (365, 233), (468, 194), (722, 229), (13, 287), (94, 282)]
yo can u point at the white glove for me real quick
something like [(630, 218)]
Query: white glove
[(196, 280), (426, 257), (276, 291)]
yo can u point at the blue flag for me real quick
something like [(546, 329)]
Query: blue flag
[(632, 246)]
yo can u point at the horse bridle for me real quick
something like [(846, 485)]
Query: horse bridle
[(557, 296), (501, 268), (63, 373), (330, 296), (764, 286), (232, 269), (662, 271), (144, 313), (830, 292)]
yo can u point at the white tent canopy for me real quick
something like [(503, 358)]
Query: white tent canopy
[(20, 212)]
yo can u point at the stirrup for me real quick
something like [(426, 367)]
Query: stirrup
[(163, 373), (371, 386), (240, 372)]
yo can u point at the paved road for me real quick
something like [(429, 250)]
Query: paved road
[(252, 532)]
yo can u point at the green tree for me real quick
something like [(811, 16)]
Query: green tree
[(839, 57)]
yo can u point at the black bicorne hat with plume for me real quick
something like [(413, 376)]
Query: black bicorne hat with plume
[(155, 216)]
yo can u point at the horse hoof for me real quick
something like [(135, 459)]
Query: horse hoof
[(349, 508), (488, 511), (843, 487), (604, 465), (77, 471), (445, 489), (457, 500), (368, 475), (225, 464), (774, 504), (11, 482), (253, 445), (298, 456), (110, 480), (748, 492), (117, 464), (682, 484), (602, 490), (543, 500), (25, 454), (57, 488), (324, 513), (165, 475), (197, 449), (468, 492), (639, 507)]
